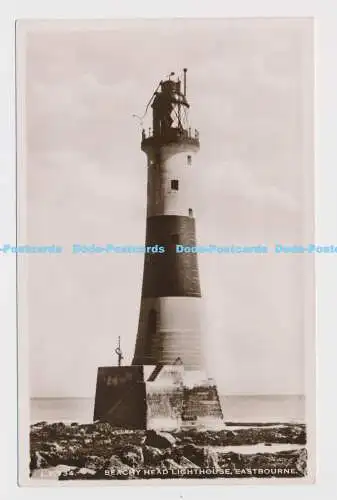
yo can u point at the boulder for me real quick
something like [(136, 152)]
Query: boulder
[(53, 447), (95, 463), (229, 460), (39, 425), (170, 464), (159, 439), (152, 456), (49, 457), (176, 453), (195, 454), (187, 440), (230, 434), (38, 461), (298, 434), (132, 455), (116, 463), (211, 458), (187, 464), (202, 456), (301, 461), (55, 431)]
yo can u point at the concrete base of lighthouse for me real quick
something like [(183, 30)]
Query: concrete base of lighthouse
[(162, 397)]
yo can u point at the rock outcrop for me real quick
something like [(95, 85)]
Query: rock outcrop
[(159, 439), (98, 451)]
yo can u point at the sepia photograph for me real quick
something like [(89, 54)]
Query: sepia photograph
[(165, 251)]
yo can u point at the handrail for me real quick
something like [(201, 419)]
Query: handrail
[(172, 133)]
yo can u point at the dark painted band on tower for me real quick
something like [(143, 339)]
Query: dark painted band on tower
[(170, 274)]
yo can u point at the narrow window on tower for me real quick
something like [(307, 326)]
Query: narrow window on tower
[(189, 160), (175, 239), (190, 212), (175, 185)]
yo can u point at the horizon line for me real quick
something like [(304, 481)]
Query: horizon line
[(222, 394)]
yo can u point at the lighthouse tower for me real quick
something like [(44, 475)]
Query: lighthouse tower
[(166, 387), (169, 323)]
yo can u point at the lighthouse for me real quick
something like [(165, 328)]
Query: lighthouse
[(166, 387), (169, 322)]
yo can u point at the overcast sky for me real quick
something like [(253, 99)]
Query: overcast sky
[(250, 89)]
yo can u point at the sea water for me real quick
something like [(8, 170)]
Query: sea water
[(240, 409)]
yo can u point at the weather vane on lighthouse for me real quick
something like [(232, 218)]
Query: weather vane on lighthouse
[(119, 353)]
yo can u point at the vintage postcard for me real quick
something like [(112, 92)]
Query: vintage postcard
[(165, 250)]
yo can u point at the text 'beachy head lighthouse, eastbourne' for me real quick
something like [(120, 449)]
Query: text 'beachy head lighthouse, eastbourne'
[(166, 386)]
